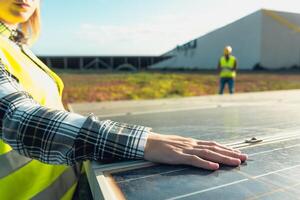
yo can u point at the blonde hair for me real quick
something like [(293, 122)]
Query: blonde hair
[(31, 28)]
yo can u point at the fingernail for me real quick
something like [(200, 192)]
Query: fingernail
[(237, 161), (214, 166), (244, 157)]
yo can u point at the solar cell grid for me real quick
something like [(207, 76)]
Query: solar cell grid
[(271, 169)]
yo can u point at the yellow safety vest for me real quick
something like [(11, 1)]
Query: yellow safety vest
[(21, 177), (227, 66)]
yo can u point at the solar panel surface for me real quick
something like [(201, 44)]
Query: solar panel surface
[(272, 171), (223, 124)]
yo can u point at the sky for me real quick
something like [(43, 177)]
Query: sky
[(137, 27)]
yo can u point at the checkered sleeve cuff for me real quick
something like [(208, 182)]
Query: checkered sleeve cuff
[(109, 140)]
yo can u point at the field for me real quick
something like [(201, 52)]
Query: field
[(102, 86)]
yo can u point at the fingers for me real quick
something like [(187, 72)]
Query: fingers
[(188, 159), (212, 143), (188, 151), (225, 152), (216, 157)]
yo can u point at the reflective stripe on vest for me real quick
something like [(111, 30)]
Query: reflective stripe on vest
[(33, 179), (227, 66), (61, 185), (11, 162), (20, 177)]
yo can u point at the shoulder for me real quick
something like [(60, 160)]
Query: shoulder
[(233, 57)]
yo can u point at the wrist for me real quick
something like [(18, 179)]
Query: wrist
[(151, 143)]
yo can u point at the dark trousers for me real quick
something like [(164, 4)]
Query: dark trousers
[(224, 82)]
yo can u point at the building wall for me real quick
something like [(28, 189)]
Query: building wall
[(243, 35), (101, 62), (281, 40)]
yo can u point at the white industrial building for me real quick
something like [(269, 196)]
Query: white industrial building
[(266, 38)]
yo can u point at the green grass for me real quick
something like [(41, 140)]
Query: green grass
[(99, 86)]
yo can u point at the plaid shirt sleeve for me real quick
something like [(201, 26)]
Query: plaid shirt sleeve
[(60, 137)]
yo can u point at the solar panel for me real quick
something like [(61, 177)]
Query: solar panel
[(223, 124), (271, 172)]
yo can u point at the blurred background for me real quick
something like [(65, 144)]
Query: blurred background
[(116, 50)]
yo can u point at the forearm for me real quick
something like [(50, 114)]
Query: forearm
[(60, 137), (219, 68), (235, 65)]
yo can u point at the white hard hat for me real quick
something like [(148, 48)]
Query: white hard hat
[(228, 49)]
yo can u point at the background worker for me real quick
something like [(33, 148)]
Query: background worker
[(227, 67), (41, 144)]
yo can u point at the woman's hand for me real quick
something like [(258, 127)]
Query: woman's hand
[(172, 149)]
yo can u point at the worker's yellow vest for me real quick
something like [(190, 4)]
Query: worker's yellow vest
[(21, 177), (227, 66)]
